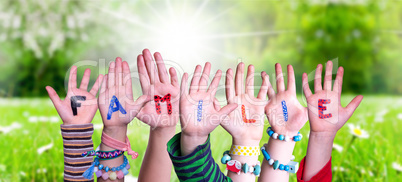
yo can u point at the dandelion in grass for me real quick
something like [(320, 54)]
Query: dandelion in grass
[(399, 116), (356, 131), (41, 170), (7, 129), (338, 168), (337, 147), (397, 167), (22, 173), (45, 148), (2, 167)]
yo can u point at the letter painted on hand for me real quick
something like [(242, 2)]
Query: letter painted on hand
[(112, 109), (322, 108), (199, 111), (243, 114), (159, 99), (75, 104), (285, 110)]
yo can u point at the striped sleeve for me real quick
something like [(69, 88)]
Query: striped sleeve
[(197, 166), (76, 140)]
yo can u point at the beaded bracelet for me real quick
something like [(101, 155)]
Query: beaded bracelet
[(117, 172), (103, 155), (236, 167), (274, 135), (291, 167)]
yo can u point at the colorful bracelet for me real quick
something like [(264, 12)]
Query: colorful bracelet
[(117, 172), (274, 135), (244, 150), (103, 155), (291, 167), (236, 167)]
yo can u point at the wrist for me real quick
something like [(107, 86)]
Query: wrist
[(245, 142), (165, 132), (116, 132), (188, 143), (322, 137)]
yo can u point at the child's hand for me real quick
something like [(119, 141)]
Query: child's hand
[(118, 83), (246, 123), (330, 116), (197, 126), (290, 120), (155, 82), (83, 108)]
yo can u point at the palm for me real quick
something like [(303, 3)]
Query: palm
[(254, 110), (117, 118), (297, 115), (87, 109), (336, 115), (156, 83)]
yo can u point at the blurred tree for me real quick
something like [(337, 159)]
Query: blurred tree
[(39, 41)]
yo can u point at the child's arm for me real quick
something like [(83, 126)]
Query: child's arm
[(246, 123), (286, 117), (76, 111), (155, 82), (326, 116), (199, 116), (117, 108)]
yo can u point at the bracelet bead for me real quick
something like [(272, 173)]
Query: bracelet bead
[(275, 135), (271, 161), (281, 137), (281, 167), (275, 165)]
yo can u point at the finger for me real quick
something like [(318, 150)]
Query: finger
[(262, 94), (306, 87), (138, 104), (96, 85), (217, 106), (351, 107), (271, 91), (127, 80), (317, 78), (111, 75), (85, 79), (215, 82), (239, 79), (143, 74), (250, 81), (149, 63), (229, 85), (291, 79), (195, 80), (328, 76), (183, 86), (203, 84), (173, 77), (72, 80), (227, 110), (53, 96), (280, 82), (338, 81), (104, 84), (119, 71), (163, 75)]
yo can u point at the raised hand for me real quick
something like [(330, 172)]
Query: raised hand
[(79, 106), (200, 112), (285, 114), (116, 92), (325, 111), (246, 123), (155, 83)]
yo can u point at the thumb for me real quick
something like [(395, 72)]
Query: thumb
[(351, 107), (227, 109), (53, 96)]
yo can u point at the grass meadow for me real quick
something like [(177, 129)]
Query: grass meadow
[(31, 142)]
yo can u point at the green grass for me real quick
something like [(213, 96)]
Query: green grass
[(367, 160)]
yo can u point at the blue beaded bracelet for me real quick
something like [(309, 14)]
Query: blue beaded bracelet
[(274, 135), (291, 167)]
